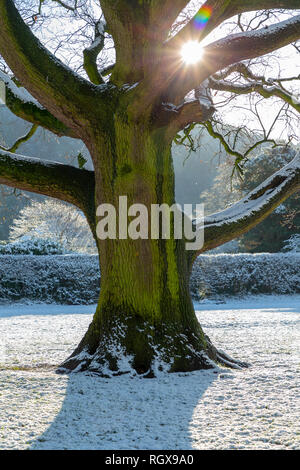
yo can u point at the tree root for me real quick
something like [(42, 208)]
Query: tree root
[(223, 359)]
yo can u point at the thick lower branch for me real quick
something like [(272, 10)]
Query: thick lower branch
[(176, 118), (50, 179), (20, 103), (21, 140), (237, 219)]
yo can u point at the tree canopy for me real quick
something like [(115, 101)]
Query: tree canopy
[(134, 48)]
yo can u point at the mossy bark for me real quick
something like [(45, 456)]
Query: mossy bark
[(145, 318), (145, 315)]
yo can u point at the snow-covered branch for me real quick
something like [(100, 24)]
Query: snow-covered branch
[(91, 53), (237, 219), (266, 88), (51, 179), (192, 111), (61, 91), (21, 140), (230, 50), (23, 105), (222, 11)]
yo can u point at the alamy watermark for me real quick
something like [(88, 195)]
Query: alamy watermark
[(163, 222)]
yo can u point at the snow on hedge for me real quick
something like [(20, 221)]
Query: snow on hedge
[(227, 275), (75, 279), (63, 279)]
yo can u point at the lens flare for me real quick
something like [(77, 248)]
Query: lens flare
[(202, 17), (191, 52)]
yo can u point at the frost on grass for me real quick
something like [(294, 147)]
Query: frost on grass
[(257, 408)]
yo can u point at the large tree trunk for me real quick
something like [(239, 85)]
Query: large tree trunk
[(145, 320)]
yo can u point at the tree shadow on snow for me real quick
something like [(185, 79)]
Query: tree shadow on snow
[(127, 413)]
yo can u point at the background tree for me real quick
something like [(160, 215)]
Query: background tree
[(145, 318), (56, 221)]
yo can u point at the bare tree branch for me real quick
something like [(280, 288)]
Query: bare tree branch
[(266, 88), (21, 140), (229, 50), (220, 12), (23, 105), (239, 157), (91, 53), (53, 84)]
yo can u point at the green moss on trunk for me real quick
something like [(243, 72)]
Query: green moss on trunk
[(145, 319)]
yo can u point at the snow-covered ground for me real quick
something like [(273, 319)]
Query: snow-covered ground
[(257, 408)]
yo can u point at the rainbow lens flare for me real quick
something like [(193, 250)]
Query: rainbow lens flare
[(202, 17)]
